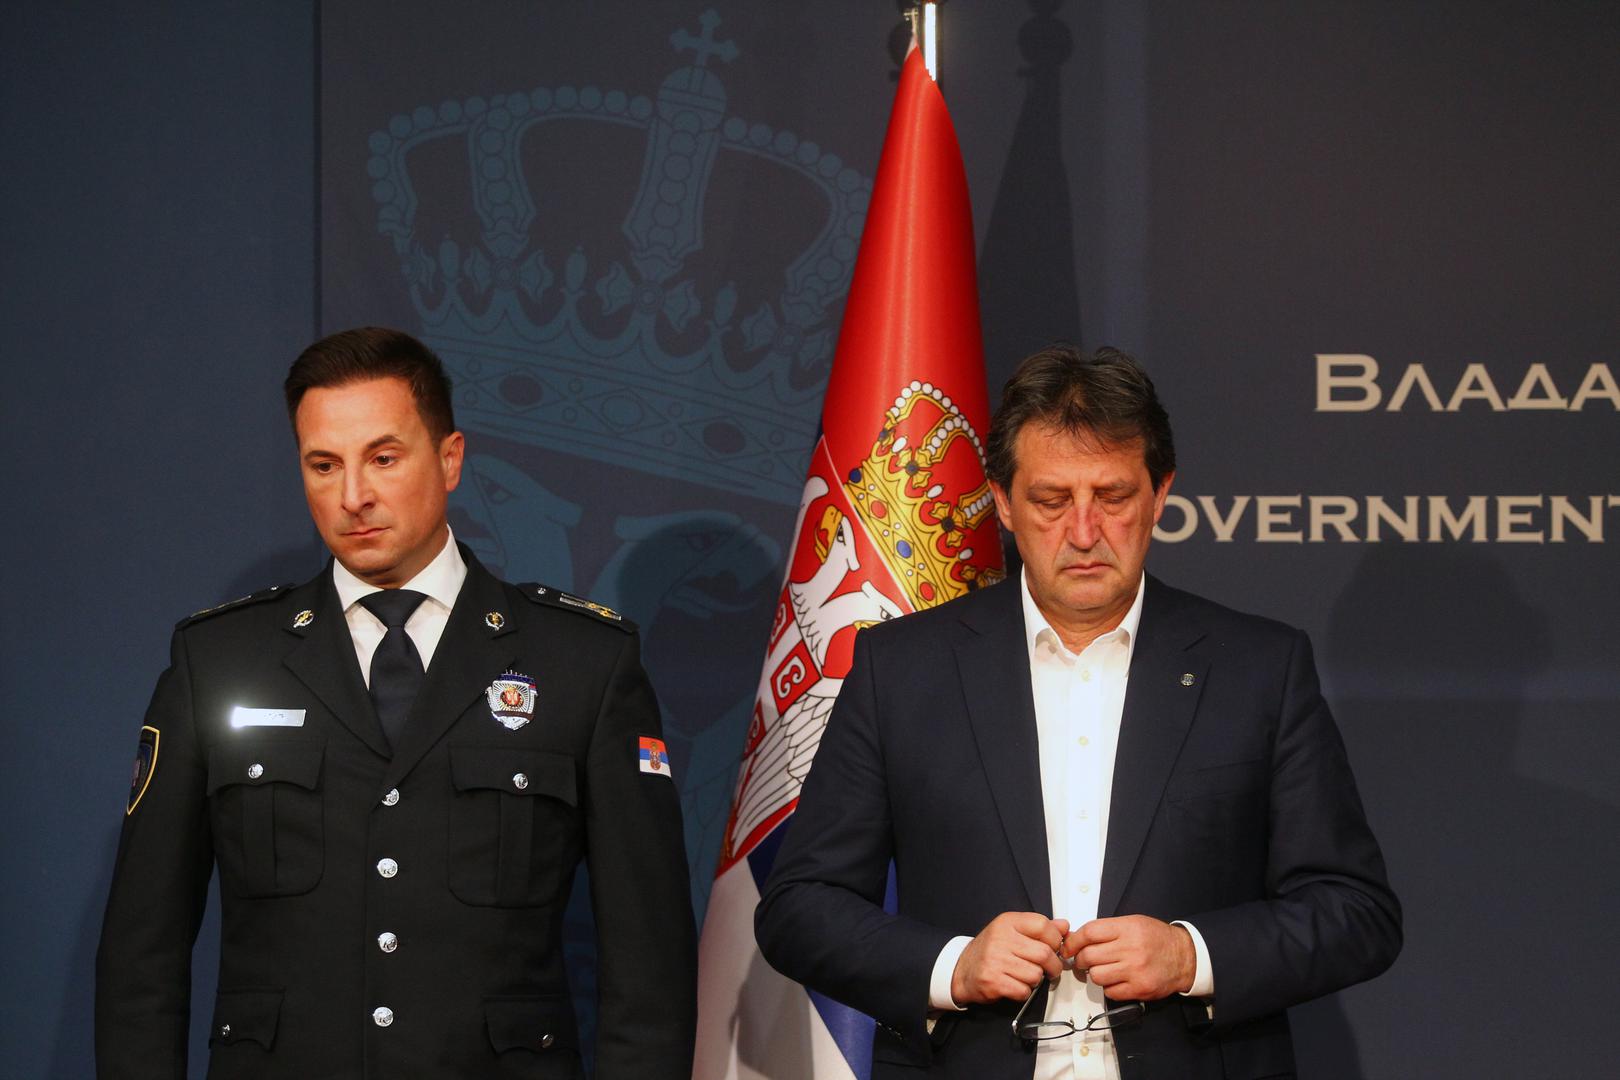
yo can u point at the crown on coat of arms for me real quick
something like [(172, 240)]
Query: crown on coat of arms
[(550, 350), (923, 498)]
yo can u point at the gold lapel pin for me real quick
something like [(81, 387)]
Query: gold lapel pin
[(494, 620), (303, 619)]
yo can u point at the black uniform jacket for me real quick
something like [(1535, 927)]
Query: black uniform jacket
[(398, 914), (1233, 807)]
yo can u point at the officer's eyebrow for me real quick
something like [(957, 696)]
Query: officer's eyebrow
[(380, 441)]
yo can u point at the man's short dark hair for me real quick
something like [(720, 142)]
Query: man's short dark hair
[(375, 352), (1104, 397)]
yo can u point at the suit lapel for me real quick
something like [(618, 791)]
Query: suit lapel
[(470, 655), (1159, 705), (993, 664), (324, 660)]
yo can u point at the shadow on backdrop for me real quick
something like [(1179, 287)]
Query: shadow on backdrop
[(701, 585), (1028, 294), (1505, 878)]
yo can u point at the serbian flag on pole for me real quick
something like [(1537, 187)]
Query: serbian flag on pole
[(896, 515)]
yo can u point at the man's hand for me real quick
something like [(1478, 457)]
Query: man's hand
[(1134, 957), (1008, 957)]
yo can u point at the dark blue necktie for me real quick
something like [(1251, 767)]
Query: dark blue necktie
[(396, 666)]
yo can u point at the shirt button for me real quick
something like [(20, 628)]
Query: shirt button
[(546, 1040), (382, 1016), (1083, 741), (1085, 675), (392, 797), (387, 867), (1085, 888), (1085, 1050), (387, 942), (255, 771), (520, 781)]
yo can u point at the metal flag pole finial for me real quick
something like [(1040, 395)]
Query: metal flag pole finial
[(925, 30)]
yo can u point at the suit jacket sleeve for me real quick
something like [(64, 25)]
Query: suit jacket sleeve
[(1328, 918), (821, 920), (159, 889), (640, 891)]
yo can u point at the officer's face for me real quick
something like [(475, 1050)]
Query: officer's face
[(376, 481), (1082, 515)]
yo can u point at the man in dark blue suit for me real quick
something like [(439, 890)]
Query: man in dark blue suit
[(1123, 827)]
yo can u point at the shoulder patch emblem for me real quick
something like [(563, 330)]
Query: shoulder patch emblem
[(546, 595), (146, 756), (654, 757), (271, 593)]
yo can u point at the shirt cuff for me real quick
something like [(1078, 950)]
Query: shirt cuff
[(939, 984), (1203, 974)]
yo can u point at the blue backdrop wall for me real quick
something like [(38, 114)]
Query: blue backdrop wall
[(1367, 251)]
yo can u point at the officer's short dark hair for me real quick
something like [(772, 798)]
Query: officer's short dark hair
[(374, 352), (1104, 396)]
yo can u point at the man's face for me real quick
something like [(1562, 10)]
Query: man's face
[(1082, 514), (376, 481)]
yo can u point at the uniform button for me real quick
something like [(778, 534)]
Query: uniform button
[(382, 1016), (387, 867), (546, 1040), (255, 771), (392, 797), (520, 781), (387, 942), (225, 1031)]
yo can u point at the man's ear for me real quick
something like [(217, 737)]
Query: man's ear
[(1160, 495), (452, 450), (1003, 505)]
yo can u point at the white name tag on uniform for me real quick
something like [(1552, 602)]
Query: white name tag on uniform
[(242, 716)]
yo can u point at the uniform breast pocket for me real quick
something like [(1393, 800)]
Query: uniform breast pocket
[(268, 816), (514, 825)]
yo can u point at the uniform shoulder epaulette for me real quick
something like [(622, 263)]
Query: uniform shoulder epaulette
[(271, 593), (548, 596)]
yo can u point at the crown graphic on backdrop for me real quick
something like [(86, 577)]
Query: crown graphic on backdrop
[(738, 410)]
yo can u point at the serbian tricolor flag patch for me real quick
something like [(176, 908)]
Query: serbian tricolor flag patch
[(654, 757)]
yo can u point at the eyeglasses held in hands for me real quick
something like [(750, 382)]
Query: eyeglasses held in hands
[(1042, 1030)]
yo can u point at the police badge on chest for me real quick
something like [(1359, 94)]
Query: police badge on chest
[(511, 700)]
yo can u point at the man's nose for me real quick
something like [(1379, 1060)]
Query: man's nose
[(356, 490), (1085, 524)]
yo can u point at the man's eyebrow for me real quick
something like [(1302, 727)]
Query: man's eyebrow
[(381, 440)]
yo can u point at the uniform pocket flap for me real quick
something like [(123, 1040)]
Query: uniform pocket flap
[(514, 771), (268, 762), (533, 1023), (245, 1016)]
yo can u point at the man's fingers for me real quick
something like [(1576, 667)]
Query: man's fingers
[(1106, 975), (1099, 930), (1033, 926), (1036, 951)]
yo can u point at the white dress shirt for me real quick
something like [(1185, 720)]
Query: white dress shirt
[(1079, 703), (440, 580)]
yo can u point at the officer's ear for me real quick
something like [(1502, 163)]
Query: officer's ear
[(452, 449)]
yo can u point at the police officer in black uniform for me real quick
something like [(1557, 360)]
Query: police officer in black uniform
[(397, 768)]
